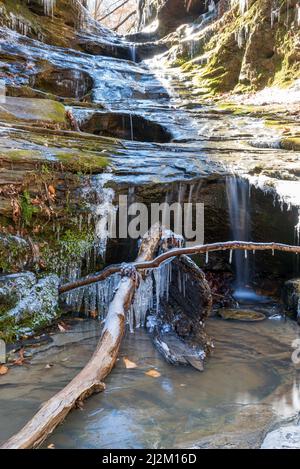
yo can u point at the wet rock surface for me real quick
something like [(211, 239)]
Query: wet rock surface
[(126, 126), (241, 315), (291, 297), (66, 83), (283, 438)]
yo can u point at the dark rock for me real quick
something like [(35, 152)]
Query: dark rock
[(66, 83), (125, 126), (169, 13), (179, 332), (291, 297)]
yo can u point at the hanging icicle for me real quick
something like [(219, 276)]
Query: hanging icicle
[(49, 6)]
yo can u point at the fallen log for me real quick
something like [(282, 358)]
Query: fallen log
[(90, 379), (177, 252)]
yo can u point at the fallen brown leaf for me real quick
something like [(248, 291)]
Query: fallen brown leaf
[(52, 446), (129, 364), (3, 370), (52, 190), (20, 361), (94, 314), (153, 373), (61, 328)]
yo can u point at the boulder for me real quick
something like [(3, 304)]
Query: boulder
[(27, 304)]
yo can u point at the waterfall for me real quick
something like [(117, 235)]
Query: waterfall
[(238, 195), (131, 127), (133, 52)]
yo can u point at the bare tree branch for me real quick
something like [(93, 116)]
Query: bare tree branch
[(202, 249), (113, 11), (124, 20)]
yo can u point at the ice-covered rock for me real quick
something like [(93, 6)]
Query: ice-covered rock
[(41, 298), (283, 438), (14, 287)]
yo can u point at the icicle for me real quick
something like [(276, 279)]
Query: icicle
[(243, 5), (143, 302), (273, 252), (275, 15), (207, 258), (246, 254), (162, 277), (211, 6), (230, 256), (49, 6), (298, 14)]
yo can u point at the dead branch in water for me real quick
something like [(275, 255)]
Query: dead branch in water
[(90, 379), (202, 249)]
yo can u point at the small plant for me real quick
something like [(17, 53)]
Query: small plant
[(27, 209)]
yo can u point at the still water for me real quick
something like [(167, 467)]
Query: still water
[(249, 384)]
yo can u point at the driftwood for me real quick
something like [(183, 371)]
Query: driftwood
[(90, 379), (202, 249)]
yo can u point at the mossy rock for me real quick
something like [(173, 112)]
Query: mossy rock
[(246, 315), (33, 109), (83, 162), (290, 143)]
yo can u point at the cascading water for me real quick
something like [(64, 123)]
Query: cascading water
[(238, 195), (133, 52)]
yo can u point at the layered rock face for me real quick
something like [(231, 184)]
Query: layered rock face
[(170, 14), (242, 46)]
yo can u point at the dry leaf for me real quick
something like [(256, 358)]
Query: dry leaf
[(51, 446), (48, 366), (129, 364), (61, 328), (3, 370), (20, 361), (52, 190), (153, 374), (94, 314)]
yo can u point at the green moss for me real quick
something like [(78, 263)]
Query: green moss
[(20, 154), (33, 109), (83, 163), (69, 249), (14, 254), (27, 209), (11, 331), (268, 55), (291, 143)]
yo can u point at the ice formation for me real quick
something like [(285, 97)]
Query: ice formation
[(243, 5), (49, 6)]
